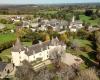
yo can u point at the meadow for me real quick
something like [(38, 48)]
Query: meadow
[(88, 19), (7, 37)]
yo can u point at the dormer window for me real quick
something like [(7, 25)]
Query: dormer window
[(20, 50), (20, 57), (41, 49), (34, 57)]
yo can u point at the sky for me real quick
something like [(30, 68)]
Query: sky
[(45, 1)]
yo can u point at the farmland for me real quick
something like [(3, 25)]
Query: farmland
[(7, 37)]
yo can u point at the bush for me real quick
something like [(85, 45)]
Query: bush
[(88, 74), (6, 45), (89, 12), (86, 49)]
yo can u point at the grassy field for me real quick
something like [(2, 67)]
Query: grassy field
[(7, 37), (88, 56), (82, 42), (6, 55), (88, 20)]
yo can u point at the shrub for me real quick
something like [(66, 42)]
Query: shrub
[(6, 45), (88, 74)]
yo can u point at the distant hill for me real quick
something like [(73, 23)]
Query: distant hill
[(33, 8), (36, 5)]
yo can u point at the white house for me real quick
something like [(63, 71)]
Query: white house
[(38, 51), (75, 25)]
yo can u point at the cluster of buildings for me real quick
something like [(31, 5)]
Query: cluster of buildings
[(43, 24), (58, 25), (40, 51)]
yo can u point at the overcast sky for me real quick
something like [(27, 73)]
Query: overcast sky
[(44, 1)]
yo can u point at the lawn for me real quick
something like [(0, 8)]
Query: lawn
[(82, 42), (88, 56), (10, 26), (5, 55), (88, 20), (7, 37)]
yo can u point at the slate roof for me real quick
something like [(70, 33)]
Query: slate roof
[(77, 22), (18, 46), (2, 66), (37, 47), (42, 46)]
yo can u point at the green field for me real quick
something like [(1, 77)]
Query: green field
[(6, 55), (7, 37), (87, 19), (87, 56), (82, 42)]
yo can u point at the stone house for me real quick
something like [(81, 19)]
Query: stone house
[(40, 51), (5, 69), (75, 25)]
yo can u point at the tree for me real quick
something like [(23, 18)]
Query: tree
[(28, 17), (47, 37), (89, 12), (88, 74), (63, 37), (75, 45), (19, 23), (77, 17), (44, 74), (97, 41), (3, 21), (55, 57), (25, 34), (25, 72), (93, 17), (97, 12), (83, 34)]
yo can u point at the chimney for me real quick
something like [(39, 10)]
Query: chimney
[(40, 42), (27, 49)]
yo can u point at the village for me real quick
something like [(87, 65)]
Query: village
[(48, 47)]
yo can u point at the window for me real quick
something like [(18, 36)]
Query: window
[(19, 57), (34, 57), (20, 61), (40, 54), (8, 71), (47, 56)]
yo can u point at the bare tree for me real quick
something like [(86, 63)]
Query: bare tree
[(25, 72), (55, 57), (88, 74), (44, 74)]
